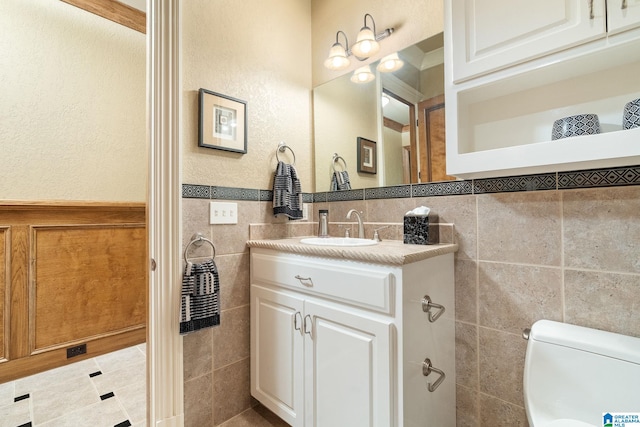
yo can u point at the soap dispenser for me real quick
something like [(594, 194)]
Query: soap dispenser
[(323, 223)]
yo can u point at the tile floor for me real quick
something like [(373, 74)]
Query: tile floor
[(106, 391), (258, 416)]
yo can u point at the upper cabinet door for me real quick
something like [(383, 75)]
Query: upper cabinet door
[(488, 35), (623, 15)]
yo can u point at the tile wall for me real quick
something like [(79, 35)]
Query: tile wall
[(216, 360), (556, 246)]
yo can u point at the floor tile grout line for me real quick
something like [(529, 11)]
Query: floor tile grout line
[(124, 410)]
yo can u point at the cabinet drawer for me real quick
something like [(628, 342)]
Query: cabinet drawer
[(362, 286)]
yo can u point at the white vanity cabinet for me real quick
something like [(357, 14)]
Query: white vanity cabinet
[(339, 342), (513, 68)]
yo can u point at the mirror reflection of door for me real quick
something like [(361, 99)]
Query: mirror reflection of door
[(432, 140)]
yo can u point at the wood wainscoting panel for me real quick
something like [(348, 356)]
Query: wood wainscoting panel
[(74, 272), (87, 282), (19, 292)]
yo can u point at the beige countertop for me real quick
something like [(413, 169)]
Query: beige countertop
[(392, 252)]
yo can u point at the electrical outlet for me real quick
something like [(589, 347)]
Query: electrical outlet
[(305, 211), (223, 213), (76, 350)]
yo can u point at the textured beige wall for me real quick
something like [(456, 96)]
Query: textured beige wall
[(393, 152), (72, 105), (413, 20), (257, 51)]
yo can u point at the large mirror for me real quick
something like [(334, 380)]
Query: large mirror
[(401, 111)]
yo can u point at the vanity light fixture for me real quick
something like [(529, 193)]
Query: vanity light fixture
[(390, 63), (363, 75), (366, 46), (385, 100), (338, 59)]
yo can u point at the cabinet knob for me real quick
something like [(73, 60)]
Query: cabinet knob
[(427, 305), (427, 368)]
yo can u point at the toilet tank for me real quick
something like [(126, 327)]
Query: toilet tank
[(578, 374)]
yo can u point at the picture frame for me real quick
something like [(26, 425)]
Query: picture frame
[(223, 122), (367, 156)]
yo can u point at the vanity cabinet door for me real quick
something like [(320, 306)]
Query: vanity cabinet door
[(348, 368), (623, 15), (488, 35), (276, 353)]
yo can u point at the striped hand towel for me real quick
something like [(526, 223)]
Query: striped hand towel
[(340, 181), (200, 307), (287, 192)]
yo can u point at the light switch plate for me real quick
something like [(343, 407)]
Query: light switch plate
[(223, 213)]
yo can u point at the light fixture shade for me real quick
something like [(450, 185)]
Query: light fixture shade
[(366, 44), (337, 59), (385, 100), (390, 63), (363, 75)]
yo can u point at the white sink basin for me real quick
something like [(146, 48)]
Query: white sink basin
[(337, 241)]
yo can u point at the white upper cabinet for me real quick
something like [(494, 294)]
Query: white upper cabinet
[(622, 15), (514, 67), (493, 34)]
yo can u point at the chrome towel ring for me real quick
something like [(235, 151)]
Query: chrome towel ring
[(198, 239), (336, 159), (282, 146)]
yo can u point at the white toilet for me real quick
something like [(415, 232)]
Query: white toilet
[(574, 376)]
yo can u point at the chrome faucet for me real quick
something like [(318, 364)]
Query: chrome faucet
[(360, 224)]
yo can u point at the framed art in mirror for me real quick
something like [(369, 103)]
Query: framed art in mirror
[(367, 156), (223, 122)]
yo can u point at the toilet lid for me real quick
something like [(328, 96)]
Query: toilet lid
[(567, 422)]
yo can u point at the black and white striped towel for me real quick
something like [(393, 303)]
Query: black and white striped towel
[(200, 307), (287, 192), (340, 181)]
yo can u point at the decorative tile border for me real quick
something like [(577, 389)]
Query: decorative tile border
[(448, 188), (395, 192), (515, 183), (599, 178), (320, 197), (190, 191), (345, 195), (232, 193), (629, 175), (266, 195)]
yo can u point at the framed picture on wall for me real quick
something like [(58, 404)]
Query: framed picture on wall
[(223, 122), (367, 156)]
